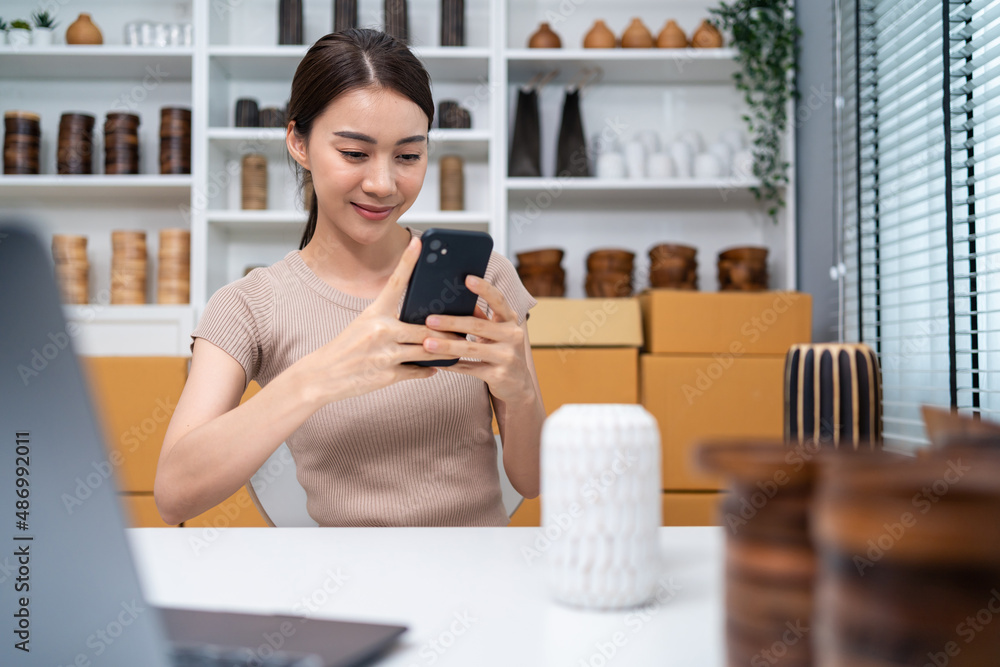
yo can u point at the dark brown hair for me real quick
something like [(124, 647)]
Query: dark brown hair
[(346, 61)]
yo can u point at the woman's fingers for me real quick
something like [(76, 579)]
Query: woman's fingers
[(502, 312), (387, 301)]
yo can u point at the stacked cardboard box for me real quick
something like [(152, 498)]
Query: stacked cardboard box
[(713, 366)]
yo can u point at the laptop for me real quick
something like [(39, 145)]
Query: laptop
[(69, 592)]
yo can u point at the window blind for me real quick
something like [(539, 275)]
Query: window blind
[(919, 191), (974, 103)]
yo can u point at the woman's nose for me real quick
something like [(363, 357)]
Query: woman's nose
[(380, 179)]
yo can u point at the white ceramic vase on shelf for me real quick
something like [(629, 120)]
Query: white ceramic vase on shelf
[(42, 37), (19, 37), (610, 164), (602, 507)]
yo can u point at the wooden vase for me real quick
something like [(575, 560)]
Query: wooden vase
[(671, 37), (345, 14), (707, 36), (452, 22), (544, 38), (637, 36), (396, 19), (290, 22), (600, 37), (452, 183), (83, 31)]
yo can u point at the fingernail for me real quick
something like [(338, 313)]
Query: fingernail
[(431, 344), (473, 281), (433, 321)]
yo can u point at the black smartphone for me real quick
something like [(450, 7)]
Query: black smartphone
[(437, 284)]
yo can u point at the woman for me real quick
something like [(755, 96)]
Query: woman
[(375, 442)]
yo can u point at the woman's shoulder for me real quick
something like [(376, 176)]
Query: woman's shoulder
[(260, 281)]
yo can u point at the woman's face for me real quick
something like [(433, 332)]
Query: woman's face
[(368, 156)]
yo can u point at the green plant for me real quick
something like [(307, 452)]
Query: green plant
[(20, 25), (764, 36), (44, 20), (3, 26)]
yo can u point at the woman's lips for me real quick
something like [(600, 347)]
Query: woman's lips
[(373, 212)]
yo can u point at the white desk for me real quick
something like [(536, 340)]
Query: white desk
[(469, 595)]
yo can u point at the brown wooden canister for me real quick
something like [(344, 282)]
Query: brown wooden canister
[(76, 144), (673, 266), (175, 140), (452, 183), (121, 143), (72, 268), (541, 272), (21, 142), (128, 267), (254, 182), (173, 284)]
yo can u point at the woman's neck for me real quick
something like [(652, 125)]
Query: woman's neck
[(359, 269)]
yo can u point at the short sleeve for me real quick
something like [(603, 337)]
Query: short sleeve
[(235, 320), (501, 273)]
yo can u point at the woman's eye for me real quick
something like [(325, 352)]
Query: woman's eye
[(410, 157), (354, 155)]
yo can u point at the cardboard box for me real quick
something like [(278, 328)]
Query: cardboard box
[(699, 397), (691, 509), (558, 322), (587, 375), (740, 323), (135, 399)]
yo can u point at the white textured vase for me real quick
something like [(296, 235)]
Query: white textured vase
[(601, 500)]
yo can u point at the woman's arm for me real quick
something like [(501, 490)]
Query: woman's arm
[(521, 432), (214, 445)]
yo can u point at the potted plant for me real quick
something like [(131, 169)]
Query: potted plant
[(19, 33), (45, 25), (764, 36), (3, 29)]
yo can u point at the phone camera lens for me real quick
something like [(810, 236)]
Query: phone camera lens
[(435, 244), (431, 258)]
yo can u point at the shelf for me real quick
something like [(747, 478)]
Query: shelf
[(279, 62), (144, 330), (269, 221), (133, 63), (708, 66), (125, 190), (588, 190)]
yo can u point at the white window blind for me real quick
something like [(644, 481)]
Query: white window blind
[(919, 183), (974, 54)]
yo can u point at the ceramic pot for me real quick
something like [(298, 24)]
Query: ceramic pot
[(42, 36), (544, 38), (610, 164), (637, 36), (672, 37), (706, 36), (18, 37), (600, 37), (83, 31), (660, 165)]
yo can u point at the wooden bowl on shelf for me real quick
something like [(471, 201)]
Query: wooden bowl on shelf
[(757, 253), (610, 260), (541, 257)]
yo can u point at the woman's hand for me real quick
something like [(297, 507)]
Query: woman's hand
[(498, 343), (369, 353)]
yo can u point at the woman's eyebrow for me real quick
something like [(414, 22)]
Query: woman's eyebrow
[(358, 136)]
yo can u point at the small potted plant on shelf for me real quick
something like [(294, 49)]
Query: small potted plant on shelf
[(3, 31), (19, 33), (45, 25)]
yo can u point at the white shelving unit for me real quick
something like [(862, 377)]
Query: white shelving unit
[(235, 55)]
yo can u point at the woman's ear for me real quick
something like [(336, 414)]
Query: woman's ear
[(297, 146)]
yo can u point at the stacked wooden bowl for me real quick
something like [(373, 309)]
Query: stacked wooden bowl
[(175, 140), (254, 182), (173, 285), (76, 144), (910, 553), (121, 143), (609, 273), (21, 141), (72, 268), (770, 562), (673, 266), (271, 117), (743, 269), (541, 272), (128, 267)]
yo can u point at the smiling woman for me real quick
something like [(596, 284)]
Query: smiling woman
[(376, 441)]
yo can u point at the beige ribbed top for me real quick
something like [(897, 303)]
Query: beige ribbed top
[(416, 453)]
